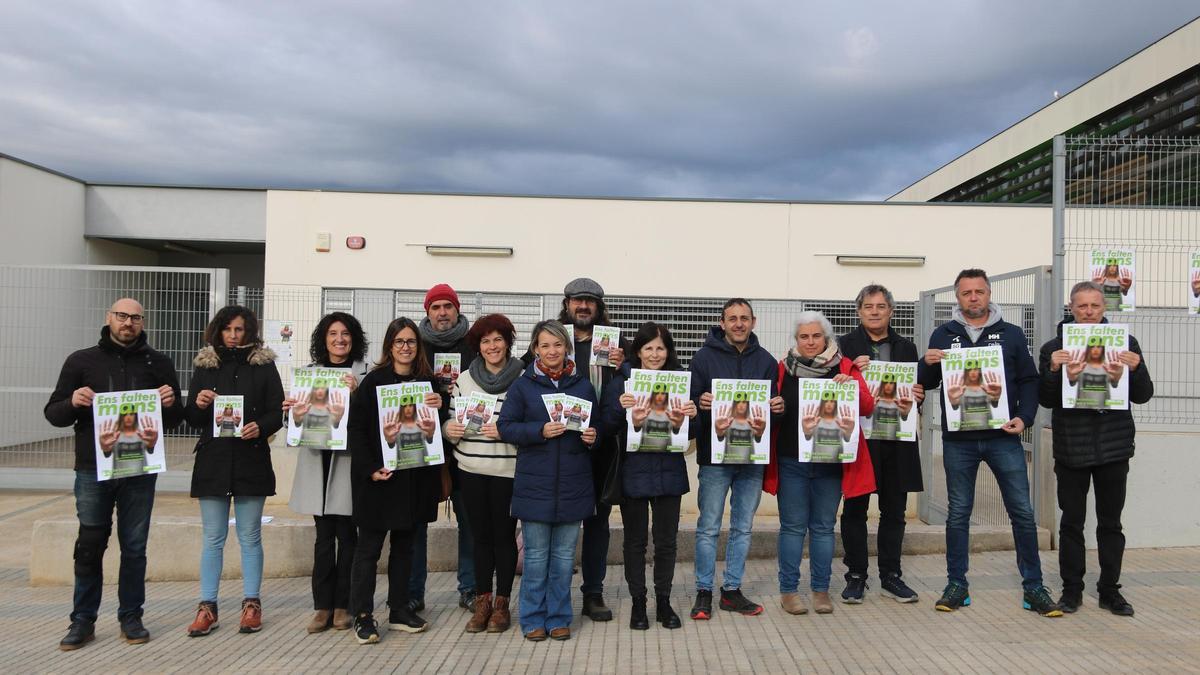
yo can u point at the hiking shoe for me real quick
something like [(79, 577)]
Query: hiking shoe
[(251, 616), (892, 586), (409, 622), (702, 610), (1116, 603), (206, 620), (594, 608), (953, 597), (734, 601), (856, 585), (79, 634), (466, 600), (1038, 600), (366, 631), (133, 632), (1069, 602)]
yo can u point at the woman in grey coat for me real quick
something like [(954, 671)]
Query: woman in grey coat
[(321, 487)]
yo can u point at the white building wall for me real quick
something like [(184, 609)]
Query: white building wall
[(642, 247)]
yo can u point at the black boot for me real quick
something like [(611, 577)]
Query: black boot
[(594, 608), (79, 634), (665, 614), (637, 619)]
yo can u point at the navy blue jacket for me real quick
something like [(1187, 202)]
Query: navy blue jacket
[(1020, 372), (718, 359), (553, 482), (643, 474)]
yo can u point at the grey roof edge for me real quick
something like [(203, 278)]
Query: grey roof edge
[(1060, 98), (39, 167)]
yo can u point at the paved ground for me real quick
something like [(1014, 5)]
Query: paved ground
[(993, 635)]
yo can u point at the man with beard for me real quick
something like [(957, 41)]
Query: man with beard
[(444, 331), (1091, 447), (583, 307), (977, 322), (122, 361)]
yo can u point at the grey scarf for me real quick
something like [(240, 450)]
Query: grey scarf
[(495, 383), (447, 338), (819, 366)]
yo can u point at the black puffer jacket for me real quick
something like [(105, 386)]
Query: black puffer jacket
[(234, 466), (1085, 438), (410, 497), (109, 367)]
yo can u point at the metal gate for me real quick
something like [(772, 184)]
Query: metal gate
[(49, 311), (1025, 300)]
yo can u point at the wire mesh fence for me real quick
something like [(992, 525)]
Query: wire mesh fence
[(1142, 195), (51, 311), (1020, 296)]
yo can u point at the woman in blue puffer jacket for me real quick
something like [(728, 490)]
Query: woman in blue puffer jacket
[(552, 488)]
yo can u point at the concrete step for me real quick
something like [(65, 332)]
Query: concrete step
[(174, 547)]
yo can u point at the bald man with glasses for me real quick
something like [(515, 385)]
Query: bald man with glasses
[(122, 360)]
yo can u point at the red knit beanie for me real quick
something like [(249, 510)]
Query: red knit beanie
[(441, 292)]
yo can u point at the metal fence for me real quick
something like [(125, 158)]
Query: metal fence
[(1138, 193), (49, 311), (1024, 298)]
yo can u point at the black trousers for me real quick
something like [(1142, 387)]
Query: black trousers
[(635, 513), (594, 553), (366, 559), (1073, 484), (488, 500), (333, 558), (893, 502)]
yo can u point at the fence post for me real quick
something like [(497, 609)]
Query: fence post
[(1059, 197), (218, 290)]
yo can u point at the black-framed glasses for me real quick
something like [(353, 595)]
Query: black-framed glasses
[(404, 344), (122, 317)]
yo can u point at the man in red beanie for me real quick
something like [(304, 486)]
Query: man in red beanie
[(444, 332)]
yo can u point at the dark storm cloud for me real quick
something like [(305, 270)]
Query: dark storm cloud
[(749, 99)]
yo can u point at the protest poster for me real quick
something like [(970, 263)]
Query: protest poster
[(1113, 269), (974, 395), (604, 340), (574, 412), (128, 434), (408, 428), (741, 421), (656, 422), (317, 419), (228, 414), (828, 421), (476, 410), (895, 416), (1193, 286), (446, 367), (1095, 378)]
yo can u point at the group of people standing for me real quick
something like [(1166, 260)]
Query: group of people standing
[(523, 467)]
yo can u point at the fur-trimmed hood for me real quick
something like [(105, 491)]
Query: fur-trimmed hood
[(208, 357)]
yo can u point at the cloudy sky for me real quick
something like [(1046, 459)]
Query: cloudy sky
[(746, 99)]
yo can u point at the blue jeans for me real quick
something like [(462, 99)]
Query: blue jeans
[(808, 502), (1006, 458), (214, 515), (743, 484), (466, 555), (94, 502), (546, 582)]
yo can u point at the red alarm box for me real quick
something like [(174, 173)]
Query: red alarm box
[(356, 243)]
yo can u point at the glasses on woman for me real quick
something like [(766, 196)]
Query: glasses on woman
[(402, 343)]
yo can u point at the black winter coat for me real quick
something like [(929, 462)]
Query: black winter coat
[(1085, 438), (235, 466), (643, 474), (857, 343), (109, 367), (411, 496)]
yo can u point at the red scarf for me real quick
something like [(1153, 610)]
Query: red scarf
[(567, 368)]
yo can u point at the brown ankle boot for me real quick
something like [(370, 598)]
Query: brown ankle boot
[(483, 611), (342, 619), (320, 621), (501, 619)]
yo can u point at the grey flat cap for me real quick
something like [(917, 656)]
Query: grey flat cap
[(584, 288)]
